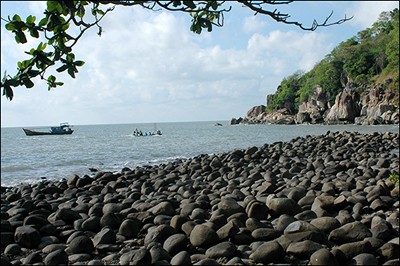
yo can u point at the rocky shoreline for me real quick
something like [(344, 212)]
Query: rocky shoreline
[(317, 200), (375, 106)]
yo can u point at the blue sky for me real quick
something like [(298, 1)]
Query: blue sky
[(148, 67)]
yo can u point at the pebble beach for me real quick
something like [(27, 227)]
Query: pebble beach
[(314, 200)]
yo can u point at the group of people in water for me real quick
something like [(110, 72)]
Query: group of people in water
[(139, 133)]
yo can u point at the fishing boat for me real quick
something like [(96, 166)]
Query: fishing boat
[(139, 133), (63, 129)]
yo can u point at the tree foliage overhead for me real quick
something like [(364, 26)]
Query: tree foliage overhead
[(63, 18), (370, 57)]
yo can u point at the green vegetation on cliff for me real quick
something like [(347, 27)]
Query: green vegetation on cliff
[(369, 59)]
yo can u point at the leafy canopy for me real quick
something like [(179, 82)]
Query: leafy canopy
[(62, 18)]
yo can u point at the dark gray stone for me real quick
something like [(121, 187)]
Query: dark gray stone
[(269, 252), (323, 257), (223, 249), (203, 236), (57, 257), (27, 236), (350, 232)]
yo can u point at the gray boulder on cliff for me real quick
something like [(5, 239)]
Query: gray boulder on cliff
[(346, 107), (313, 110), (377, 108)]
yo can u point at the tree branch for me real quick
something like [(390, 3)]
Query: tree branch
[(257, 6)]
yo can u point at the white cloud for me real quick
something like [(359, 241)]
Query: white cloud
[(300, 51), (367, 12), (254, 24)]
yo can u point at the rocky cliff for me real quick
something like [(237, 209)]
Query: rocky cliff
[(374, 106)]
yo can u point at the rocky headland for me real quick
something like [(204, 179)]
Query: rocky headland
[(374, 106), (316, 200)]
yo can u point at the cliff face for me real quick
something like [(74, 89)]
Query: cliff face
[(374, 106), (346, 107)]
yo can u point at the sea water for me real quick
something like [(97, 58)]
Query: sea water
[(29, 159)]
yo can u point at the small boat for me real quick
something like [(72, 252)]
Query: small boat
[(63, 129), (139, 133)]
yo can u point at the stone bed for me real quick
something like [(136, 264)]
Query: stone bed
[(317, 200)]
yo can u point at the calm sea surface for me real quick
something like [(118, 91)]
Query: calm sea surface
[(111, 147)]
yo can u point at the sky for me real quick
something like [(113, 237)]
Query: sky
[(148, 67)]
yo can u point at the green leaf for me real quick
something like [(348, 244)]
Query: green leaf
[(71, 72), (34, 33), (214, 5), (65, 27), (13, 82), (59, 83), (79, 63), (20, 37), (189, 4), (176, 3), (51, 78), (70, 57), (54, 6), (28, 83), (62, 68), (33, 73), (43, 22), (30, 19), (41, 46), (100, 12), (8, 92), (16, 18), (81, 11), (10, 26)]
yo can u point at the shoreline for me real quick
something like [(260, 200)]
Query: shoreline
[(315, 198)]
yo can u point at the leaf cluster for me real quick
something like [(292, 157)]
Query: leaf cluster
[(55, 49)]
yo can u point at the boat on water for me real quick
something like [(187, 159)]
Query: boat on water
[(63, 129), (139, 133)]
